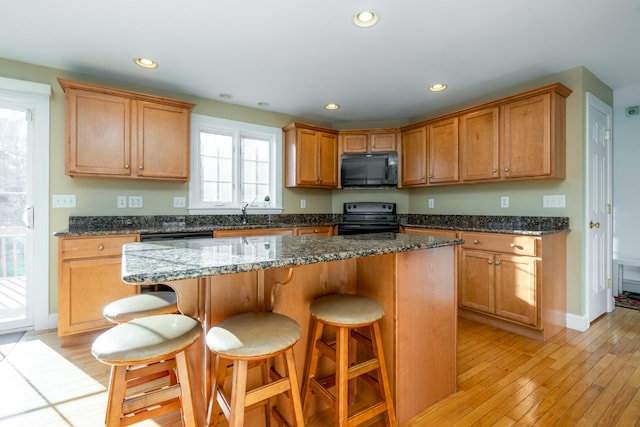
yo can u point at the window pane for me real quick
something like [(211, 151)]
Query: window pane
[(216, 167)]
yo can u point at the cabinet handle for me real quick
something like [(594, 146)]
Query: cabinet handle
[(315, 230), (140, 167), (497, 262), (100, 247), (494, 170), (475, 242), (513, 245), (489, 262), (506, 169), (422, 178), (126, 165)]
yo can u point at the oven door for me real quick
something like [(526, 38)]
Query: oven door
[(349, 229)]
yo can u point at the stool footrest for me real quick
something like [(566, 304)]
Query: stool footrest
[(151, 413), (137, 402), (366, 414)]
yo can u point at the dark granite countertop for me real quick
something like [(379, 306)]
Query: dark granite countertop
[(183, 259), (100, 225)]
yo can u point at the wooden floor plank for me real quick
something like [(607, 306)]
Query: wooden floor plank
[(576, 378)]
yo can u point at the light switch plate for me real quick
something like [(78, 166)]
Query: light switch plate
[(179, 202), (553, 201), (135, 202), (63, 201)]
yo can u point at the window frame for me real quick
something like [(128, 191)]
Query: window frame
[(238, 130)]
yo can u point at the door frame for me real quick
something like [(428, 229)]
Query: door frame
[(594, 101), (37, 97)]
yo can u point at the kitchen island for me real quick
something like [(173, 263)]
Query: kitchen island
[(412, 276)]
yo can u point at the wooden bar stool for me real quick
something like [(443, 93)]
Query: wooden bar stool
[(160, 342), (141, 305), (252, 337), (347, 313)]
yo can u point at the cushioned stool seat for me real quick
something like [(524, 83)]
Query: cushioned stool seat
[(347, 313), (141, 305), (146, 341), (252, 337)]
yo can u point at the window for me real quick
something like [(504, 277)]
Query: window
[(233, 164)]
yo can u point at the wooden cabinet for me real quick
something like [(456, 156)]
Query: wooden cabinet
[(480, 145), (413, 157), (311, 156), (442, 151), (122, 134), (372, 141), (436, 232), (321, 230), (532, 137), (518, 281), (89, 270), (254, 232)]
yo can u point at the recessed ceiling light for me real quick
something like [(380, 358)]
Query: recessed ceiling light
[(146, 62), (225, 95), (437, 87), (331, 107), (366, 18)]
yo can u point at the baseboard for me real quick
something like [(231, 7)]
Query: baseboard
[(577, 322), (53, 321)]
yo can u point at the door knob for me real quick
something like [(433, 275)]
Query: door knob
[(594, 224)]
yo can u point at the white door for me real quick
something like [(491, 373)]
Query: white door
[(598, 213), (24, 235)]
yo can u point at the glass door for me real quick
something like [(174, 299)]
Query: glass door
[(16, 217)]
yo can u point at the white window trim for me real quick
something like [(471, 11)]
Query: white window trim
[(199, 122)]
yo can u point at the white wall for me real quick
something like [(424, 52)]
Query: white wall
[(626, 188)]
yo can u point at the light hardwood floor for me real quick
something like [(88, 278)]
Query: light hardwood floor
[(574, 379)]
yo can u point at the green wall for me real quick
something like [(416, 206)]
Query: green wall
[(98, 196)]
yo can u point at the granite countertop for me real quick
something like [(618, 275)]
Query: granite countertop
[(100, 225), (183, 259)]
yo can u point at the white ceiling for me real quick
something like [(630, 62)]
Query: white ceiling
[(298, 55)]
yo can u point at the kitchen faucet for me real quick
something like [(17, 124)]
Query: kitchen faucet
[(244, 213)]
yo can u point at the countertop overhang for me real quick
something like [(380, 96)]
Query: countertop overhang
[(153, 262)]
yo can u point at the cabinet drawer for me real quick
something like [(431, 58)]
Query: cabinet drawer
[(91, 247), (505, 243)]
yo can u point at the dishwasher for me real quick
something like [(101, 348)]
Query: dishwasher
[(156, 237)]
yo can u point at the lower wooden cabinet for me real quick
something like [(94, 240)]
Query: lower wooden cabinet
[(89, 278)]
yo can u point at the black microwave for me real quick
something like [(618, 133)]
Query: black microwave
[(369, 170)]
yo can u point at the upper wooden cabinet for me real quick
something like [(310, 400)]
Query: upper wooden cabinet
[(442, 151), (532, 137), (122, 134), (372, 141), (311, 156), (480, 145), (413, 157)]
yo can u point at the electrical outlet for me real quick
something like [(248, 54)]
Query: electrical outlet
[(63, 201), (432, 203), (303, 204), (135, 202), (179, 202), (504, 201), (121, 202)]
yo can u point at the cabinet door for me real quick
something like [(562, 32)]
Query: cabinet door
[(477, 274), (307, 157), (516, 288), (328, 159), (480, 145), (162, 141), (382, 142), (525, 140), (86, 287), (442, 142), (414, 157), (98, 132), (356, 143)]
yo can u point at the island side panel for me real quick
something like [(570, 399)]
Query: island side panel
[(426, 329)]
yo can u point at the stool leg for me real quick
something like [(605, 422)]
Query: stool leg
[(294, 391), (382, 377), (116, 395), (188, 411), (312, 364), (220, 370), (238, 393), (342, 376)]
